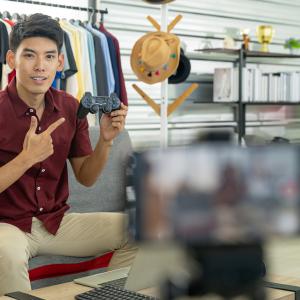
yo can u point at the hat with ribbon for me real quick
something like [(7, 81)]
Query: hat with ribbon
[(155, 56), (159, 1)]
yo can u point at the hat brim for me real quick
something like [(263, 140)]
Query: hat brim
[(162, 73), (183, 71)]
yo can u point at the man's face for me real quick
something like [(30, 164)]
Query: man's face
[(36, 61)]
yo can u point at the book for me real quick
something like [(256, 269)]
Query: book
[(256, 86), (223, 87)]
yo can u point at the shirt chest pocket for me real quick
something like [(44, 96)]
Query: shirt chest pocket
[(61, 140), (61, 150)]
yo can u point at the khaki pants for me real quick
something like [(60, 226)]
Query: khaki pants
[(80, 234)]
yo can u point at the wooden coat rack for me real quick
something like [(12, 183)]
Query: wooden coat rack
[(177, 102)]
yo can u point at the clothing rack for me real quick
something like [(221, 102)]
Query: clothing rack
[(88, 9)]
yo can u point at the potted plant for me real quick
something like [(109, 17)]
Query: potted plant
[(292, 44)]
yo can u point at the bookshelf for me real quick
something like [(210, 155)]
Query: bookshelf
[(240, 57)]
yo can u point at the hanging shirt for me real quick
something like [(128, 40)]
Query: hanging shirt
[(10, 22), (91, 49), (3, 48), (12, 73), (65, 54), (123, 92), (86, 67), (107, 59), (114, 63), (100, 68), (56, 82), (6, 70), (3, 42), (85, 58), (71, 82), (70, 67), (74, 37)]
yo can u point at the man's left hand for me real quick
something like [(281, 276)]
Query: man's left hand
[(112, 124)]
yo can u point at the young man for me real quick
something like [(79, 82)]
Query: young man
[(39, 131)]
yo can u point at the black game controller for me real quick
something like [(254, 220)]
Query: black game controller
[(93, 104)]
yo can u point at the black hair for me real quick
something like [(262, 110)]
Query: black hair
[(37, 25)]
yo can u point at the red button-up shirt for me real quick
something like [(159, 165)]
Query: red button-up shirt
[(42, 191)]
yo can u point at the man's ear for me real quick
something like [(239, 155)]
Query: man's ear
[(61, 60), (10, 59)]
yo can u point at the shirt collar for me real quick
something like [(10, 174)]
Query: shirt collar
[(21, 107)]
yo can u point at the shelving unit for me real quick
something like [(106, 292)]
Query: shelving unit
[(240, 57), (231, 55)]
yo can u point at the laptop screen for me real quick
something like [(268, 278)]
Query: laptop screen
[(217, 194)]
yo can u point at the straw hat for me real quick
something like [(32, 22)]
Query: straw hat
[(159, 1), (155, 56)]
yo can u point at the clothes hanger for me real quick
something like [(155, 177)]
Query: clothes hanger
[(79, 22), (16, 17), (6, 15), (103, 12), (91, 15), (23, 17), (102, 18)]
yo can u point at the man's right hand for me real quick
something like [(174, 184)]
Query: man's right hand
[(38, 147)]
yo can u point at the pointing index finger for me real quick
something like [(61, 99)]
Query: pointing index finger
[(54, 125)]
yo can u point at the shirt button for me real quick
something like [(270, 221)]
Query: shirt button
[(31, 110), (38, 188), (41, 208), (27, 114), (43, 170)]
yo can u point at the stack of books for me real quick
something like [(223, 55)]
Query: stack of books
[(256, 86)]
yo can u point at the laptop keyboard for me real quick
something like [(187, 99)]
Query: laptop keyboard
[(117, 282), (110, 292)]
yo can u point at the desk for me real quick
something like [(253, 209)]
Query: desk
[(67, 291)]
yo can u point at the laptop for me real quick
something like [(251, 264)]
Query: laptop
[(152, 264)]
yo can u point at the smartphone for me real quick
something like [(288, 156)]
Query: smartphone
[(22, 296)]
